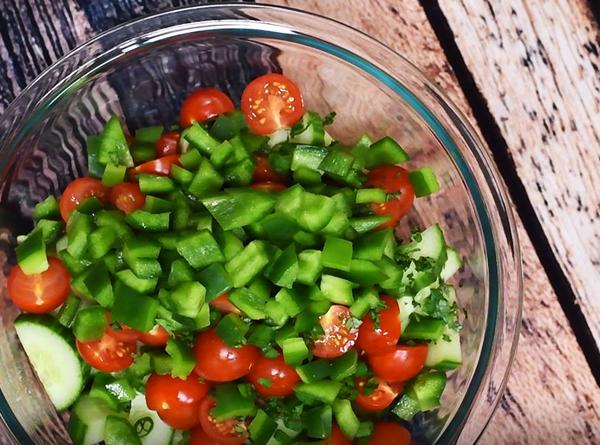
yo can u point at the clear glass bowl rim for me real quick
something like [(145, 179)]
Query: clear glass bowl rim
[(37, 104)]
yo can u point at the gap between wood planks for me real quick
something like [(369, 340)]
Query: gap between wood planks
[(493, 136)]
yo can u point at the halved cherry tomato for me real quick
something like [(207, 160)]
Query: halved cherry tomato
[(392, 179), (221, 363), (400, 365), (39, 293), (204, 104), (78, 191), (167, 144), (127, 197), (222, 304), (271, 102), (340, 333), (228, 432), (157, 337), (160, 166), (199, 437), (380, 398), (281, 377), (125, 333), (109, 354), (177, 401), (385, 433), (269, 186), (263, 171), (337, 437), (380, 337)]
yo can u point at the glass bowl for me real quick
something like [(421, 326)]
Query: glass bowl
[(142, 71)]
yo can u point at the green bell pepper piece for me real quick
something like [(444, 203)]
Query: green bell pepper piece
[(134, 309), (90, 324), (337, 253), (200, 249), (236, 208), (384, 152), (113, 145), (248, 263), (47, 209), (216, 280)]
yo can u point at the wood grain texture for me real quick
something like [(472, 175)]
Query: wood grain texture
[(537, 65), (551, 392)]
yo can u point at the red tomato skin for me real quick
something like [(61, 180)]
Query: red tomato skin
[(271, 102), (337, 437), (218, 362), (199, 437), (226, 432), (392, 179), (160, 166), (78, 191), (263, 171), (380, 398), (282, 376), (109, 354), (381, 339), (269, 186), (39, 293), (384, 432), (177, 401), (222, 304), (157, 337), (399, 365), (127, 197), (338, 339), (204, 104), (167, 144)]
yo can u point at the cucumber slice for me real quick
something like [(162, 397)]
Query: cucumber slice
[(54, 357), (445, 355), (431, 244), (148, 425), (278, 137), (452, 264), (407, 307), (88, 418)]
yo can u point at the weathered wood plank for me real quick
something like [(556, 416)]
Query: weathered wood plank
[(551, 392), (537, 65)]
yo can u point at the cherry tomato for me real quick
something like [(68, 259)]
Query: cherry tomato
[(282, 377), (385, 433), (157, 337), (222, 304), (199, 437), (263, 171), (127, 197), (337, 437), (126, 334), (340, 335), (40, 293), (392, 179), (167, 144), (271, 102), (204, 104), (269, 186), (400, 365), (378, 400), (160, 166), (78, 191), (109, 354), (220, 363), (227, 432), (380, 337), (177, 401)]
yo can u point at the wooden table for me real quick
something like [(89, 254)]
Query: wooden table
[(526, 73)]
